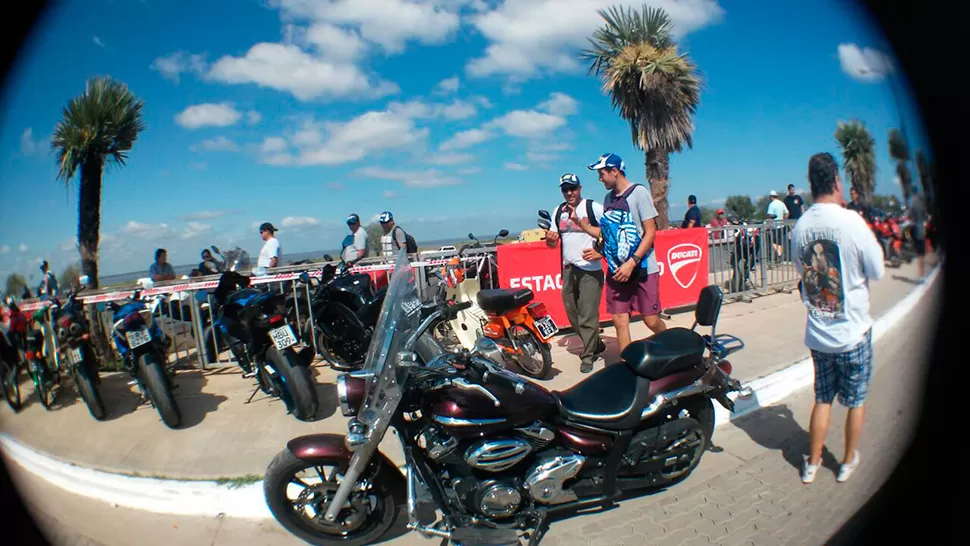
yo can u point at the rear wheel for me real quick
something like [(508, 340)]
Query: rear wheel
[(535, 359), (152, 375), (88, 392), (298, 382), (43, 382), (11, 385), (298, 493)]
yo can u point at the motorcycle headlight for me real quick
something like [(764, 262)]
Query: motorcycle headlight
[(350, 393)]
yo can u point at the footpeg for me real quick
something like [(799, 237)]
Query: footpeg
[(249, 375)]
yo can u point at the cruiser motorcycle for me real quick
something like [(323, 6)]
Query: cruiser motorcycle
[(489, 456)]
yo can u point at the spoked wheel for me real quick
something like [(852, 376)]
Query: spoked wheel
[(299, 492), (686, 445), (11, 386), (44, 383), (536, 358)]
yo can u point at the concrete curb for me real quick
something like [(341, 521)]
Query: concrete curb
[(207, 498)]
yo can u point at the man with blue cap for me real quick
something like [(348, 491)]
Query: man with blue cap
[(626, 234), (355, 246)]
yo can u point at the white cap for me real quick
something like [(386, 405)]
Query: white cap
[(773, 193)]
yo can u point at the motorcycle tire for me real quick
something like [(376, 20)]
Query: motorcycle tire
[(298, 383), (276, 481), (45, 390), (11, 387), (88, 392), (152, 375), (545, 355)]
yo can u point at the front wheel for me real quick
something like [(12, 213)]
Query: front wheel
[(298, 382), (298, 493), (11, 386), (533, 357), (88, 392), (152, 375), (43, 383)]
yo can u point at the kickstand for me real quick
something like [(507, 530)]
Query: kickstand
[(540, 530), (253, 394)]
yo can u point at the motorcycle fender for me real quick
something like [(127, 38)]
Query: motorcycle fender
[(323, 448)]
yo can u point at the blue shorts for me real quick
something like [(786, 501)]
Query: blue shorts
[(847, 374)]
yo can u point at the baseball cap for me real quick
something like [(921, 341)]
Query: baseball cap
[(610, 160), (568, 179), (386, 217), (266, 226), (773, 193), (353, 219), (720, 211)]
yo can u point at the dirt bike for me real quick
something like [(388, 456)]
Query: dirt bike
[(490, 456)]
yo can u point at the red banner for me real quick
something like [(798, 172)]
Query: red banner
[(682, 255)]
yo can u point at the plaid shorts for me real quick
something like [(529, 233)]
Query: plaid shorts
[(846, 373)]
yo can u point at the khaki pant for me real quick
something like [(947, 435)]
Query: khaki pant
[(581, 294)]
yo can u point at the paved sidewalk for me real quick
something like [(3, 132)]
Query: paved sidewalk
[(747, 494), (225, 438)]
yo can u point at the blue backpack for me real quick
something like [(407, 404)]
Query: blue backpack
[(621, 235)]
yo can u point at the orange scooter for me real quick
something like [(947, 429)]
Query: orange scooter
[(521, 328)]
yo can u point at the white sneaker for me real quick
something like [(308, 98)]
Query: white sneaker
[(846, 470), (808, 471)]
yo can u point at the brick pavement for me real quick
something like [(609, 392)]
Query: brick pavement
[(747, 492)]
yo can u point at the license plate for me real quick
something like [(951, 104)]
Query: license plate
[(74, 356), (547, 327), (137, 338), (282, 337)]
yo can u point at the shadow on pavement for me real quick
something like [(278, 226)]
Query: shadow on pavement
[(121, 399), (775, 428), (905, 279)]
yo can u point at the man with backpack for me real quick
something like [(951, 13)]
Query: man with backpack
[(395, 237), (582, 278), (626, 233)]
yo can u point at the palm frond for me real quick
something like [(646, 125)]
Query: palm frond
[(624, 27), (858, 155), (898, 147), (103, 122)]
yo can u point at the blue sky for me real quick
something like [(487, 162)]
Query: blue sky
[(457, 115)]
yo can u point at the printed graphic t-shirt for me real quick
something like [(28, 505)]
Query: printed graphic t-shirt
[(836, 255), (575, 240)]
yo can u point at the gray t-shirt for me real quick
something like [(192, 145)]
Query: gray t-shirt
[(917, 213), (641, 208)]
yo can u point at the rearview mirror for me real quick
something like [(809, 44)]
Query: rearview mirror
[(83, 281), (215, 249), (545, 214), (304, 278), (544, 224), (503, 233), (328, 257), (471, 236)]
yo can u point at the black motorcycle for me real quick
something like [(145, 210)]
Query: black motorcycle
[(74, 347), (254, 326), (338, 318)]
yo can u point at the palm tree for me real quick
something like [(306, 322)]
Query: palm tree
[(98, 128), (899, 151), (858, 157), (925, 172), (654, 87)]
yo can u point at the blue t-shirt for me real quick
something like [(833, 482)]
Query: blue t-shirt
[(693, 213), (622, 227)]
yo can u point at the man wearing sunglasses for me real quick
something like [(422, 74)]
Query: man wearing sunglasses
[(582, 268)]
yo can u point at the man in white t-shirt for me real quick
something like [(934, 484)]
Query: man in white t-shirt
[(357, 248), (582, 268), (270, 256), (836, 255)]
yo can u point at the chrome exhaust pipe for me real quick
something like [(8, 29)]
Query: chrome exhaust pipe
[(662, 399), (429, 531)]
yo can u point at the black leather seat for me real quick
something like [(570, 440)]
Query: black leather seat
[(611, 398), (500, 300), (666, 353)]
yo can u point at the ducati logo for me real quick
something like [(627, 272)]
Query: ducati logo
[(683, 261)]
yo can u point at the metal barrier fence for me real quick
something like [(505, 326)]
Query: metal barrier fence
[(758, 264)]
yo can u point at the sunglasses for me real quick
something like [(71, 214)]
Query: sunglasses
[(566, 189)]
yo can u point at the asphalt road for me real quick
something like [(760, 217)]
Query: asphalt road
[(746, 492)]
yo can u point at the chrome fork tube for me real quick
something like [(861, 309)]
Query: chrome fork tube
[(358, 463)]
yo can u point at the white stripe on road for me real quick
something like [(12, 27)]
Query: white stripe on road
[(208, 498)]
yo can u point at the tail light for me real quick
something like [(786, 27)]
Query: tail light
[(64, 322), (725, 366), (29, 355), (538, 310), (275, 319), (133, 321)]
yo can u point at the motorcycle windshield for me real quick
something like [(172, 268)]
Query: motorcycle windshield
[(400, 317)]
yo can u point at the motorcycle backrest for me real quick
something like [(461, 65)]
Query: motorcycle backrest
[(708, 306)]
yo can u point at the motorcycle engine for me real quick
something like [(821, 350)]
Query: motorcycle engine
[(491, 498)]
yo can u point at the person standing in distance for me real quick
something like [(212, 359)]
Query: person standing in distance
[(794, 203), (692, 218), (836, 256), (582, 271), (626, 234), (270, 255), (358, 247), (393, 239)]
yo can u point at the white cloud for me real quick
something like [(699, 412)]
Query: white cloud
[(866, 64), (559, 104), (173, 65), (28, 144), (431, 178), (194, 229), (336, 143), (204, 215), (208, 115), (444, 158), (23, 247), (4, 249), (470, 170), (335, 186), (198, 165), (286, 67), (274, 144), (529, 36), (97, 41), (448, 86), (515, 167), (528, 123), (464, 139), (299, 222), (218, 144), (456, 110), (333, 42), (388, 194), (253, 117), (138, 229), (388, 23)]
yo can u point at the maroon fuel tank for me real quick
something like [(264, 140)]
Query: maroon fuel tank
[(466, 412)]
